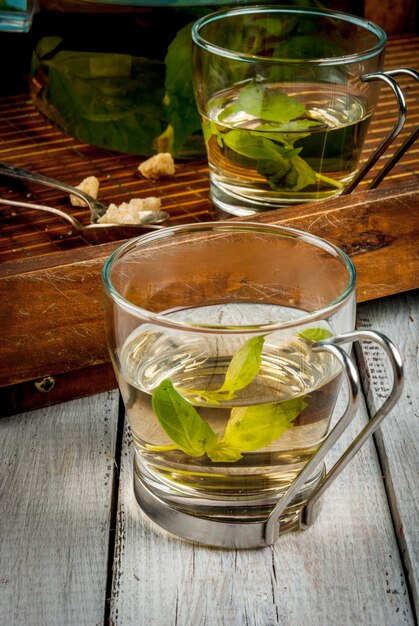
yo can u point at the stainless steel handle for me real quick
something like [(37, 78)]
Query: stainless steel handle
[(332, 345), (409, 141), (388, 77)]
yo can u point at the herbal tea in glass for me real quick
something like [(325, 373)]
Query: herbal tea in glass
[(211, 329), (265, 144), (220, 416), (283, 102)]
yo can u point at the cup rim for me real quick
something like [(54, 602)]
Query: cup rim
[(225, 226), (201, 42)]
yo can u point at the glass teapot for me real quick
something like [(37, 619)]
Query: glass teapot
[(117, 74)]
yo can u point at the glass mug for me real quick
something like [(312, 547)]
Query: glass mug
[(230, 343), (286, 96)]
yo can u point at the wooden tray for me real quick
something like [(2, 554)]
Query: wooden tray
[(52, 344)]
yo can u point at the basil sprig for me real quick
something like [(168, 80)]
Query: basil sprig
[(180, 420), (248, 428), (315, 334), (284, 121), (242, 369)]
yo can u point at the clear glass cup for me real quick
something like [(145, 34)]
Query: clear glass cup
[(224, 339), (284, 103)]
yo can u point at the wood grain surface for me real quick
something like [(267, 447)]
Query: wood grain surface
[(56, 481), (378, 229), (398, 438)]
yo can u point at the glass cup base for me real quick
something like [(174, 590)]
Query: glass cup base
[(239, 204), (235, 204), (232, 523)]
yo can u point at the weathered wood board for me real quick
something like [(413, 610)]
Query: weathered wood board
[(398, 438), (51, 308), (56, 485)]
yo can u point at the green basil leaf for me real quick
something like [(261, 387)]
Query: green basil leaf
[(108, 100), (181, 109), (242, 369), (180, 420), (286, 151), (255, 146), (265, 103), (253, 427), (299, 176), (209, 128), (315, 334), (274, 170), (244, 365), (221, 454)]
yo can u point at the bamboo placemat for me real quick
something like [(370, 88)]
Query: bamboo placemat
[(28, 140)]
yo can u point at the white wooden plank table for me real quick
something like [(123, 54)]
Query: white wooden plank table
[(76, 549)]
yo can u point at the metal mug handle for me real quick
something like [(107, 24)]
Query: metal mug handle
[(388, 77), (332, 345)]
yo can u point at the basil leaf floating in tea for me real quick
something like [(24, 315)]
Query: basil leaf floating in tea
[(256, 146), (268, 104), (248, 428), (253, 427), (221, 454), (274, 170), (244, 365), (242, 369), (282, 120), (209, 128), (181, 421), (315, 334), (299, 176)]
